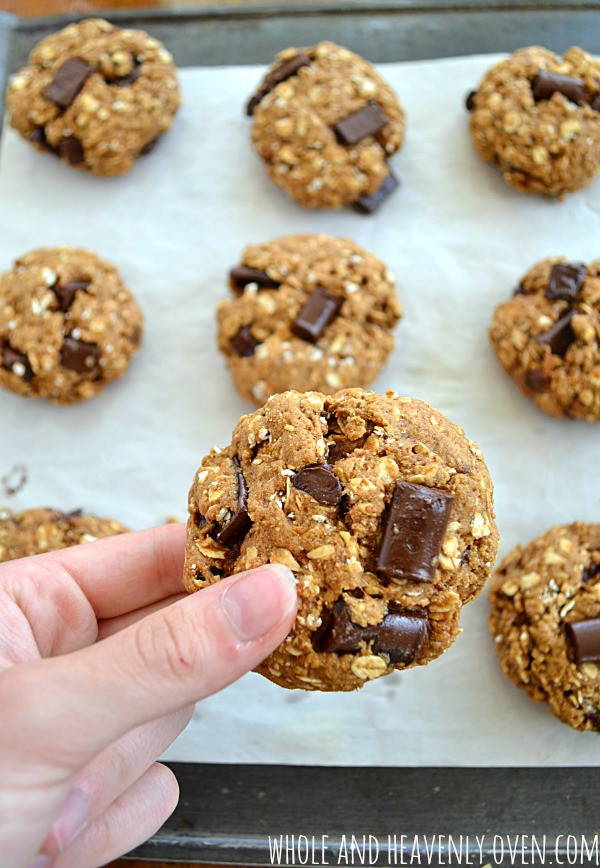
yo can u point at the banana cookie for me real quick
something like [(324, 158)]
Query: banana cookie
[(96, 95), (325, 124), (309, 312), (547, 337), (545, 621), (68, 325), (536, 116), (35, 531), (380, 506)]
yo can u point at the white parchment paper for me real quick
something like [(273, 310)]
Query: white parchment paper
[(458, 240)]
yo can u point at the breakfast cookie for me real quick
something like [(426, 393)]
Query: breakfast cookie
[(380, 506), (325, 123), (309, 312), (536, 116), (547, 337), (545, 621), (68, 326), (96, 95), (35, 531)]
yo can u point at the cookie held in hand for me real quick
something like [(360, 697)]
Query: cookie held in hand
[(380, 506)]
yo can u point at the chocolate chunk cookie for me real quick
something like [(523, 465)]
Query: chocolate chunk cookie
[(536, 117), (545, 621), (547, 337), (308, 312), (68, 326), (325, 124), (380, 506), (35, 531), (95, 95)]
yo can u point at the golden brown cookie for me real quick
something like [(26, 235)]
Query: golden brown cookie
[(536, 116), (380, 506), (547, 337), (68, 325), (545, 621), (96, 95), (309, 312), (35, 531), (325, 123)]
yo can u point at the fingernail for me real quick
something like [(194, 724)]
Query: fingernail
[(259, 600), (41, 861), (71, 820)]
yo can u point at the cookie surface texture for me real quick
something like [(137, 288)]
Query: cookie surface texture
[(309, 312), (36, 531), (380, 506), (547, 337), (96, 95), (545, 621), (68, 325), (324, 124), (536, 116)]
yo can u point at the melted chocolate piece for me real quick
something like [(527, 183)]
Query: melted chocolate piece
[(319, 482), (71, 150), (67, 82), (401, 634), (276, 76), (546, 83), (565, 282), (341, 447), (560, 337), (584, 640), (595, 103), (240, 522), (242, 275), (413, 532), (537, 381), (319, 311), (591, 573), (370, 203), (79, 356), (365, 122), (125, 80), (66, 294), (12, 358), (470, 100), (243, 343), (38, 137)]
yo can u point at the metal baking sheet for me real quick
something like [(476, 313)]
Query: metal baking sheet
[(228, 813)]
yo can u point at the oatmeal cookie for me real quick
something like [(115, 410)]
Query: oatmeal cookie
[(545, 621), (325, 123), (547, 337), (68, 325), (380, 506), (96, 95), (536, 116), (35, 531), (309, 312)]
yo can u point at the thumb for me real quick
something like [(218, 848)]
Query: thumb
[(69, 708)]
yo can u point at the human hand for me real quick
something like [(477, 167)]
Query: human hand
[(83, 720)]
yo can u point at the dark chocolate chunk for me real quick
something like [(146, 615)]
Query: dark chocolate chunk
[(591, 572), (595, 103), (319, 311), (370, 203), (66, 294), (341, 447), (276, 76), (401, 634), (546, 83), (560, 337), (240, 522), (365, 122), (594, 719), (67, 82), (79, 356), (243, 343), (536, 380), (242, 275), (17, 363), (413, 532), (319, 482), (71, 150), (38, 137), (128, 79), (565, 281), (584, 640), (470, 100)]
